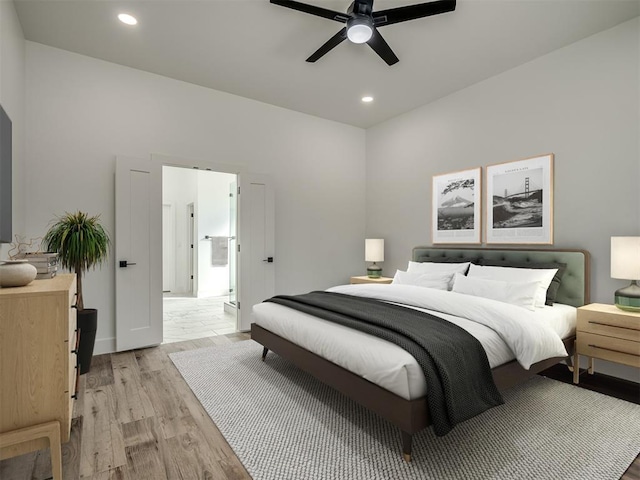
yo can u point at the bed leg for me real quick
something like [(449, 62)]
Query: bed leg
[(264, 352), (569, 361), (569, 358), (406, 446)]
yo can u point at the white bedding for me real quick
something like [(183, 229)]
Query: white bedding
[(505, 331)]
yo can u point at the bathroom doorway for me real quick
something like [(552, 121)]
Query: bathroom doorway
[(198, 251)]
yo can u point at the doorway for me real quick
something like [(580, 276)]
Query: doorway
[(199, 220), (139, 241)]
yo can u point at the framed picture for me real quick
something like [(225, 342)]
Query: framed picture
[(520, 201), (455, 205)]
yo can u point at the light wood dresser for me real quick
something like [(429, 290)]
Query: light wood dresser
[(606, 332), (38, 367)]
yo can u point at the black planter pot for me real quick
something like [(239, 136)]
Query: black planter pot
[(87, 324)]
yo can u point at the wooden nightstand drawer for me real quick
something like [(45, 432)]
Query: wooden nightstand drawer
[(365, 279), (599, 327), (608, 348), (608, 333), (609, 320)]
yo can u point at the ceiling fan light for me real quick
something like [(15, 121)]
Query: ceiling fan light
[(359, 29)]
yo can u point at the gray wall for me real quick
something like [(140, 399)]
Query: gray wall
[(580, 102), (82, 112)]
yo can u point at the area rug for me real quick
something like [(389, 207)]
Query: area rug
[(284, 424)]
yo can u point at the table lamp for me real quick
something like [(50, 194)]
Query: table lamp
[(625, 264), (374, 252)]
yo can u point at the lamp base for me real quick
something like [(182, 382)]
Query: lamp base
[(374, 271), (628, 298)]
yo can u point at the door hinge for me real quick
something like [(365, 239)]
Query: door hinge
[(238, 190), (191, 277), (192, 215), (231, 195), (238, 248), (231, 290), (238, 305), (192, 245)]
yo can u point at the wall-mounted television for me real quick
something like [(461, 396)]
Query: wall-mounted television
[(5, 178)]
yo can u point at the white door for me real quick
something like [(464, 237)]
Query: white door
[(192, 261), (168, 248), (256, 244), (233, 248), (138, 250)]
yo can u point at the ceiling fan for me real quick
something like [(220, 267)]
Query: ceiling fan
[(362, 23)]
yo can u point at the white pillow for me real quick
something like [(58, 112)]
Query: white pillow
[(439, 268), (509, 274), (433, 267), (438, 281), (522, 294)]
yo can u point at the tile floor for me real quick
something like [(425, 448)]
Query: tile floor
[(188, 318)]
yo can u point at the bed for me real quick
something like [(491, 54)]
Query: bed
[(409, 410)]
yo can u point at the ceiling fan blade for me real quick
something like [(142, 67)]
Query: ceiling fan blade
[(382, 48), (333, 42), (411, 12), (313, 10)]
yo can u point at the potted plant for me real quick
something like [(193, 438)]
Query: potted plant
[(81, 243)]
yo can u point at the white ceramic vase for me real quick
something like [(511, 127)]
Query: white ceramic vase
[(16, 273)]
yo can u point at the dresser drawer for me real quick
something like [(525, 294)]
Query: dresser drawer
[(73, 363), (616, 350), (37, 334), (72, 311)]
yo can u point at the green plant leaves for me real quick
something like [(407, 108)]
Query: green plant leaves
[(80, 240)]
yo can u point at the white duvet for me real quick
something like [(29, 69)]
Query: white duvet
[(530, 340), (505, 331)]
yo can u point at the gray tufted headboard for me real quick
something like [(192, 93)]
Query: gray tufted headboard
[(574, 289)]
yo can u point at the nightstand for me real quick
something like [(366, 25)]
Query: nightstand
[(606, 332), (365, 279)]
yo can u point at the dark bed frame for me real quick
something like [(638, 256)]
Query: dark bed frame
[(411, 416)]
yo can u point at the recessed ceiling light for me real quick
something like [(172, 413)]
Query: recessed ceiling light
[(367, 99), (128, 19)]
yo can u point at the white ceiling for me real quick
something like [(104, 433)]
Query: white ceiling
[(258, 50)]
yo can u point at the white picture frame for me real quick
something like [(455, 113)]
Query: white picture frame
[(456, 207), (519, 201)]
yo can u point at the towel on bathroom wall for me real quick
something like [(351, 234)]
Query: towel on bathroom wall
[(219, 251)]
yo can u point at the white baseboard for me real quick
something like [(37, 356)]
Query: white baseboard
[(104, 345)]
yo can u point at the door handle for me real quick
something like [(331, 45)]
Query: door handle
[(268, 260), (124, 263)]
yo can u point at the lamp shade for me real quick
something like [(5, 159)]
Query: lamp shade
[(374, 250), (625, 258)]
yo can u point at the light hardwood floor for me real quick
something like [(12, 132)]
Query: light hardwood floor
[(137, 419)]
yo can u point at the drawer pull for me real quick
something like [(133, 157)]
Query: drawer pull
[(614, 326), (611, 350)]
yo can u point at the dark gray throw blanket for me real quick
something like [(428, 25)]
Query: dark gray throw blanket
[(455, 365)]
